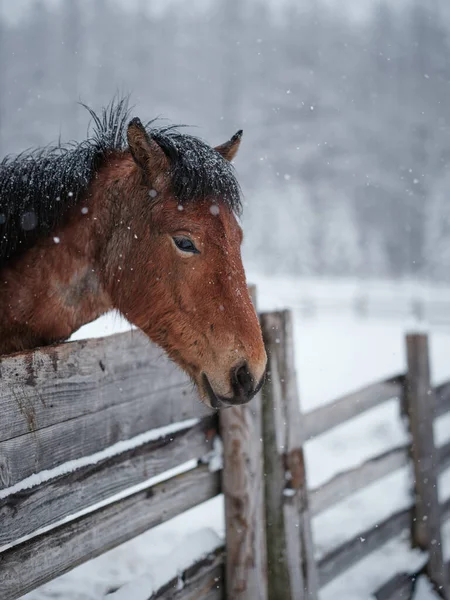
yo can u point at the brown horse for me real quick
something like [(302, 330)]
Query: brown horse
[(139, 219)]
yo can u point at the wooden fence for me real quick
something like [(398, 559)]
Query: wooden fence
[(434, 312), (420, 404), (62, 407)]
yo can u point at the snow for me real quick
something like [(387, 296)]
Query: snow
[(215, 457), (372, 433), (446, 533), (359, 582), (424, 590), (108, 324), (361, 511), (154, 557), (198, 544), (336, 353), (117, 448), (442, 430)]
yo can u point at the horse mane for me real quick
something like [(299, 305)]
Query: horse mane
[(39, 186)]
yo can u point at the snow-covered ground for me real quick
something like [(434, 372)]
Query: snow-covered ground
[(335, 354)]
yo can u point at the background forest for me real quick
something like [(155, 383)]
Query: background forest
[(346, 113)]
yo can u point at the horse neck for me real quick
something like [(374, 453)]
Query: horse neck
[(60, 284)]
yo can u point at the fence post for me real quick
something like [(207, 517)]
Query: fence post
[(419, 407), (242, 485), (292, 572)]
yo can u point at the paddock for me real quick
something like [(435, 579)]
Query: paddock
[(103, 439)]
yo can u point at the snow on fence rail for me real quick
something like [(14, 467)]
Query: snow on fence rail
[(83, 469)]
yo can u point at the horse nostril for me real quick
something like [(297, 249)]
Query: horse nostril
[(244, 380)]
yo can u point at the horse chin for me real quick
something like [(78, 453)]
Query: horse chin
[(209, 394)]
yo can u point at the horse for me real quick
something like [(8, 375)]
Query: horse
[(143, 219)]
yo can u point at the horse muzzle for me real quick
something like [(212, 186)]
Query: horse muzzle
[(243, 385)]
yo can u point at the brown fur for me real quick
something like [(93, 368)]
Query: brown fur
[(120, 254)]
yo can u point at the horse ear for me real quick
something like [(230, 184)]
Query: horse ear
[(230, 148), (145, 151)]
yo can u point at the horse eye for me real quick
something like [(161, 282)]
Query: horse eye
[(185, 245)]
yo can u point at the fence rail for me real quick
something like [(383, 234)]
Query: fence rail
[(338, 412), (352, 551), (414, 308), (36, 561), (78, 468), (345, 484), (422, 405), (202, 580), (69, 416), (48, 503), (63, 403)]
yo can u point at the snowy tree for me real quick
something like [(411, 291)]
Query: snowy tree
[(296, 226), (437, 232), (376, 262), (340, 246), (281, 225), (356, 107)]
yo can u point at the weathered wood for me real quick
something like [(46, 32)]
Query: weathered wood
[(419, 404), (345, 484), (442, 399), (52, 446), (55, 384), (354, 550), (242, 485), (26, 511), (331, 415), (80, 398), (243, 490), (33, 563), (205, 580), (65, 402), (292, 573), (400, 587)]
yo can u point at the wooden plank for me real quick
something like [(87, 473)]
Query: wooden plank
[(419, 404), (400, 587), (354, 550), (83, 436), (55, 384), (243, 490), (242, 485), (66, 402), (292, 573), (442, 399), (33, 563), (205, 580), (344, 484), (26, 511), (331, 415)]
